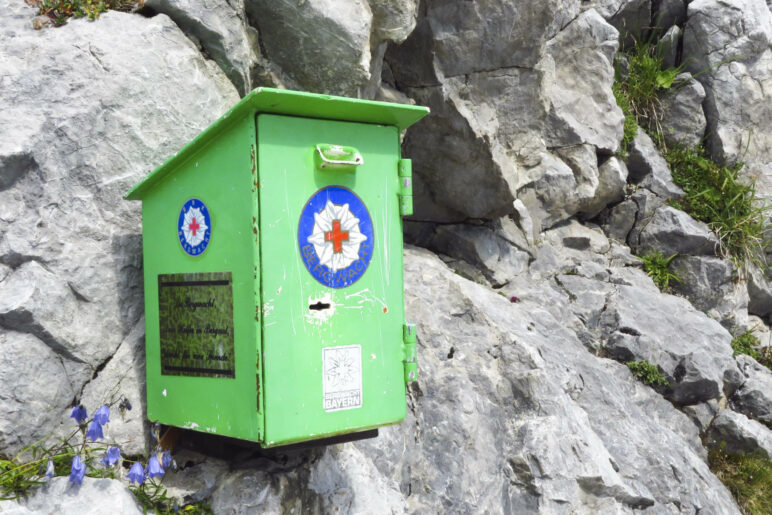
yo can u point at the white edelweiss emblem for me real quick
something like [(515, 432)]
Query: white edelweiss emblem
[(194, 226), (336, 236)]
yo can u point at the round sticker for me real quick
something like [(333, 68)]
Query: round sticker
[(194, 227), (335, 236)]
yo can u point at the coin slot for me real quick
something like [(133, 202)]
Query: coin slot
[(319, 306)]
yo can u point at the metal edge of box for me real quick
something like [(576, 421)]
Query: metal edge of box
[(292, 103)]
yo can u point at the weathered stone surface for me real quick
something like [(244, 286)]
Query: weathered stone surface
[(220, 27), (691, 349), (630, 17), (754, 398), (393, 20), (248, 491), (72, 244), (711, 285), (729, 43), (648, 168), (122, 379), (196, 478), (759, 291), (501, 427), (480, 246), (671, 231), (579, 73), (612, 178), (683, 121), (668, 45), (740, 434), (323, 45), (620, 219), (668, 13), (61, 496)]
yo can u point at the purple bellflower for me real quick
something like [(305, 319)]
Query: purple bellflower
[(112, 456), (94, 431), (50, 468), (102, 415), (136, 473), (79, 414), (78, 470), (166, 459), (154, 468)]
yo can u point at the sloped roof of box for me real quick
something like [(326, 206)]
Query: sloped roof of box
[(292, 103)]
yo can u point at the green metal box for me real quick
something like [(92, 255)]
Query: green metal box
[(272, 250)]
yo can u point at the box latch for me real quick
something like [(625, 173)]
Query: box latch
[(337, 157), (409, 340), (405, 187)]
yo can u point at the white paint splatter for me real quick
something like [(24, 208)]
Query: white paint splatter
[(320, 316), (164, 392)]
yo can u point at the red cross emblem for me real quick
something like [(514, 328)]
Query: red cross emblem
[(194, 226), (336, 236)]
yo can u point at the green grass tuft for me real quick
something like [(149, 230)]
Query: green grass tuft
[(746, 343), (716, 196), (658, 268), (648, 373), (61, 10), (748, 478)]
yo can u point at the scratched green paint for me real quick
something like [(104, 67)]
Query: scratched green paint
[(254, 169)]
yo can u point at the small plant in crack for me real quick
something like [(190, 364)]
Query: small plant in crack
[(747, 343), (658, 268), (647, 373)]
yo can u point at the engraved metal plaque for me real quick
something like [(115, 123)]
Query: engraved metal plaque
[(196, 323)]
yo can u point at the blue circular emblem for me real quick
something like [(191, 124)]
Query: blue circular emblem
[(335, 237), (194, 227)]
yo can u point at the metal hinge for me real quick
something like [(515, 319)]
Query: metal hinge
[(409, 339), (405, 187)]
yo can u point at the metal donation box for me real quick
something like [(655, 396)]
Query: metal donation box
[(273, 271)]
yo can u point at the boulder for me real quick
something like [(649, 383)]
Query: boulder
[(71, 288), (671, 231), (324, 46), (683, 122), (612, 178), (61, 496), (759, 291), (393, 20), (691, 349), (579, 73), (220, 27), (632, 18), (754, 397), (668, 13), (481, 247), (668, 45), (711, 285), (619, 220), (727, 45), (648, 168), (738, 434)]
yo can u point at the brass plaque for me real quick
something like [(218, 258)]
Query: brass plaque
[(196, 322)]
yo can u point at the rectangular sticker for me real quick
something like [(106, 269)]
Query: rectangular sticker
[(195, 315), (342, 377)]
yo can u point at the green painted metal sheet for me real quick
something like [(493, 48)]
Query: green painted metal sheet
[(186, 393), (291, 103), (333, 351)]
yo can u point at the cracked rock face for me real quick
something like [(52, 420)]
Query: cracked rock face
[(89, 124)]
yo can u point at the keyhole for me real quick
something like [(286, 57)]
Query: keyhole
[(319, 306)]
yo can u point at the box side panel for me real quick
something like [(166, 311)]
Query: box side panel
[(332, 351), (202, 338)]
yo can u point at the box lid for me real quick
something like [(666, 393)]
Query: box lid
[(291, 103)]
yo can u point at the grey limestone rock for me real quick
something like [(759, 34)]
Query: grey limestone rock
[(711, 285), (630, 17), (691, 349), (612, 178), (221, 28), (754, 397), (648, 168), (61, 496), (92, 122), (579, 73), (393, 20), (324, 45), (683, 121), (740, 434), (480, 246), (668, 45), (729, 44), (619, 220), (671, 231), (759, 291), (668, 13)]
